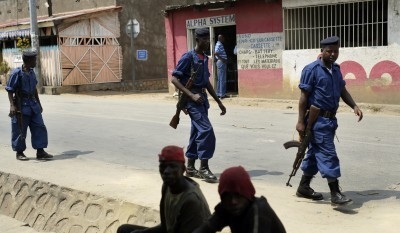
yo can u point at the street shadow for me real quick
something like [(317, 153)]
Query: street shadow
[(124, 91), (359, 199), (255, 173), (362, 197), (69, 155)]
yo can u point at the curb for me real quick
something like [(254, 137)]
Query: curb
[(49, 207)]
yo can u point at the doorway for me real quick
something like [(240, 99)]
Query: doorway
[(229, 32)]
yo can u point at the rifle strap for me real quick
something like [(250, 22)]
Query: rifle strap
[(193, 73)]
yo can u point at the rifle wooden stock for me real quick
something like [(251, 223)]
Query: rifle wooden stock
[(303, 144), (180, 106), (175, 119)]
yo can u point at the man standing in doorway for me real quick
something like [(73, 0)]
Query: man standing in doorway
[(222, 60)]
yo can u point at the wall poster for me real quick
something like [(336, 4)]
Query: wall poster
[(259, 50)]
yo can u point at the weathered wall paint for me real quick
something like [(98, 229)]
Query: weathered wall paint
[(372, 73), (251, 16), (19, 9)]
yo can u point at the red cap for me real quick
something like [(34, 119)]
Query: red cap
[(236, 180), (171, 153)]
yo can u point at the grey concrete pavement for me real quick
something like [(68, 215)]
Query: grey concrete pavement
[(105, 149), (372, 210), (11, 225)]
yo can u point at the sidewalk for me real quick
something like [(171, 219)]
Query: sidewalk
[(89, 192), (10, 225), (77, 194)]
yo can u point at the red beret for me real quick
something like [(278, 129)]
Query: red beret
[(171, 153), (236, 180)]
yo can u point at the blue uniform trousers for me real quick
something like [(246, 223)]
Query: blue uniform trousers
[(202, 137), (221, 87), (321, 155), (37, 128)]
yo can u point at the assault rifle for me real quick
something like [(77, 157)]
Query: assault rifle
[(18, 113), (305, 139), (183, 98)]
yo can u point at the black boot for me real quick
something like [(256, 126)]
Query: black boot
[(304, 189), (337, 198), (191, 170), (205, 172), (43, 155), (21, 156)]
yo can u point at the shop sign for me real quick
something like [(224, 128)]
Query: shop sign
[(211, 21)]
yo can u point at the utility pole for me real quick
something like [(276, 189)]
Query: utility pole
[(35, 41), (132, 29), (132, 53)]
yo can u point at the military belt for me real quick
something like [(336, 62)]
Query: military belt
[(327, 114), (198, 90), (29, 96)]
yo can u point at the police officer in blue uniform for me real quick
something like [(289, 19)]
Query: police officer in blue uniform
[(202, 138), (26, 110), (322, 85)]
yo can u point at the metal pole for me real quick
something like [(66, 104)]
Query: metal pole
[(132, 54), (35, 41)]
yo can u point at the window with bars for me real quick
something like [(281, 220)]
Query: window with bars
[(358, 24)]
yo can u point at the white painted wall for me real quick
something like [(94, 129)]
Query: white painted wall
[(293, 61), (394, 22)]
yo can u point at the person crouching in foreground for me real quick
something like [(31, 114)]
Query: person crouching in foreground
[(183, 207), (239, 208)]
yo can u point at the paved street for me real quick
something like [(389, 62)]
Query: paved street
[(126, 130), (129, 130)]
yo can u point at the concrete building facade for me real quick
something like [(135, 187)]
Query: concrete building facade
[(277, 38)]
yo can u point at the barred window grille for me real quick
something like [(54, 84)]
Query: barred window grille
[(358, 24), (93, 41)]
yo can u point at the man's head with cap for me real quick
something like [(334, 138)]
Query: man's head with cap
[(202, 32), (29, 58), (171, 153), (172, 165), (235, 184), (329, 50), (202, 39), (333, 40), (236, 180)]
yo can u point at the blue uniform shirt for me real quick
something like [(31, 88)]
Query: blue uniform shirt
[(219, 48), (183, 69), (26, 83), (324, 88)]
